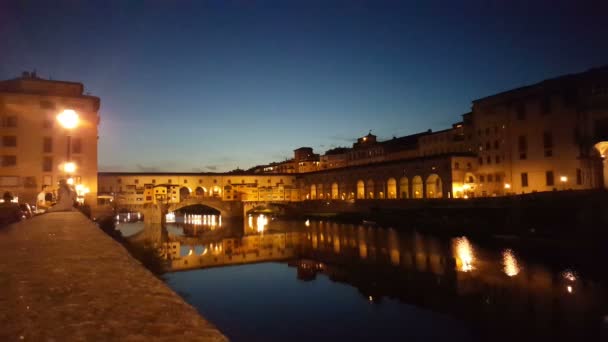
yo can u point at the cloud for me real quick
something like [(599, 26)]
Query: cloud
[(111, 168), (142, 168), (197, 169), (211, 167)]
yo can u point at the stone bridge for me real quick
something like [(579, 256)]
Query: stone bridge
[(227, 209)]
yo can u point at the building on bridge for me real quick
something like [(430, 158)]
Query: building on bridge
[(134, 190), (35, 146)]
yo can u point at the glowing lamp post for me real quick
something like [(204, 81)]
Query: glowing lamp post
[(68, 120), (563, 180)]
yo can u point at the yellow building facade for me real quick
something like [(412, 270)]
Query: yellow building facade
[(35, 145), (134, 189)]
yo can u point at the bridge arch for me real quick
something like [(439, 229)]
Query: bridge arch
[(417, 187), (370, 189), (404, 187), (200, 191), (360, 189), (434, 186), (335, 192), (391, 188), (184, 193)]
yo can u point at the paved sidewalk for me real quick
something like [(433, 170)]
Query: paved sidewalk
[(63, 279)]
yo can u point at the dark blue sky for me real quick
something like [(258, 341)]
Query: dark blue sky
[(212, 85)]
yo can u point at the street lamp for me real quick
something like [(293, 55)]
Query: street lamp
[(563, 180), (69, 120)]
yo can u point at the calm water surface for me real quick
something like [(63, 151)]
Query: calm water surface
[(272, 280)]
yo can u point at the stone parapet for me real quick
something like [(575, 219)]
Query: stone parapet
[(63, 279)]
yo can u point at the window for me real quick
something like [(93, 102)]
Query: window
[(549, 178), (548, 153), (154, 181), (489, 160), (579, 177), (9, 160), (468, 166), (47, 164), (77, 145), (547, 139), (497, 159), (521, 112), (136, 181), (522, 143), (47, 123), (119, 181), (169, 181), (456, 166), (47, 144), (482, 178), (185, 181), (490, 178), (47, 105), (9, 141), (488, 146), (498, 178), (200, 181), (496, 144), (545, 106), (524, 180), (522, 146), (487, 130), (10, 121)]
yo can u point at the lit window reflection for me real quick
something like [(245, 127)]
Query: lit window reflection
[(464, 255), (511, 267)]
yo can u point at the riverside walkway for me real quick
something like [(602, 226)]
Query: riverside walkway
[(63, 279)]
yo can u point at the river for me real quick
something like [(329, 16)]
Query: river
[(274, 280)]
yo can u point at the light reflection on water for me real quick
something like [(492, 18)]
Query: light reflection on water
[(456, 277)]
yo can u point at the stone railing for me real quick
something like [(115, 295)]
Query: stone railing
[(63, 279)]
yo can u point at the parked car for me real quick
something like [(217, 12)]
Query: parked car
[(26, 211)]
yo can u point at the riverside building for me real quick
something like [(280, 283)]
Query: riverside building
[(39, 145)]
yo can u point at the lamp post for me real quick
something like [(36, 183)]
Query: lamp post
[(563, 180), (69, 120)]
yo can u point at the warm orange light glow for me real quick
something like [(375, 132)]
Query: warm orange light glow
[(507, 186), (464, 254), (262, 221), (68, 119), (563, 179), (511, 267), (70, 181), (569, 288), (69, 167)]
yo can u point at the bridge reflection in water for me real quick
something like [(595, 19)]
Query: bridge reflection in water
[(493, 289)]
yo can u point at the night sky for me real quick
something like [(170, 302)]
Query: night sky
[(212, 85)]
